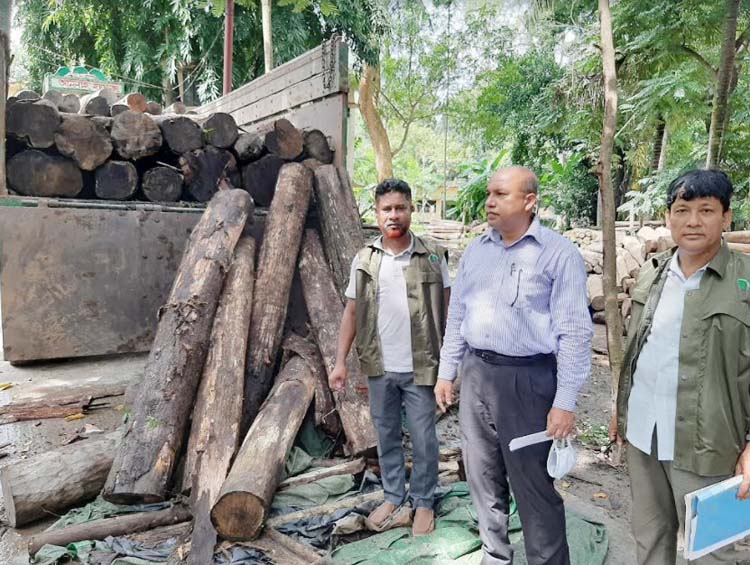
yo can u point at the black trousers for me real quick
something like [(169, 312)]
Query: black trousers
[(498, 403)]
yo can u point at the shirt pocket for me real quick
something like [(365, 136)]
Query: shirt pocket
[(727, 325), (527, 289)]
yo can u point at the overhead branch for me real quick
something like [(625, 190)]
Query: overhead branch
[(701, 59)]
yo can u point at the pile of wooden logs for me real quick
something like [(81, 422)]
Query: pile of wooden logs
[(227, 383), (140, 153)]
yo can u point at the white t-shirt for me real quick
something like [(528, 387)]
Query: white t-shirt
[(394, 324)]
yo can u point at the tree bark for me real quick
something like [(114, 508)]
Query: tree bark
[(54, 481), (144, 464), (34, 173), (604, 172), (661, 127), (203, 169), (340, 224), (284, 140), (94, 105), (247, 493), (265, 7), (369, 89), (162, 184), (117, 526), (135, 135), (215, 433), (278, 256), (259, 178), (4, 63), (248, 147), (180, 133), (87, 143), (116, 180), (723, 80), (325, 309), (220, 130), (316, 146), (33, 123)]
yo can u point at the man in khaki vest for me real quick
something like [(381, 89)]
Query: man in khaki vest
[(397, 298)]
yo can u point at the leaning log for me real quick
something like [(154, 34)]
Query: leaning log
[(135, 135), (34, 124), (116, 180), (94, 105), (162, 184), (220, 130), (215, 433), (340, 225), (145, 462), (325, 309), (56, 480), (84, 141), (284, 140), (202, 170), (259, 178), (180, 133), (247, 493), (34, 173), (316, 146), (278, 255), (106, 527)]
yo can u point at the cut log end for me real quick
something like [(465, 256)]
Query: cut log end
[(238, 516), (162, 184), (220, 130), (285, 140)]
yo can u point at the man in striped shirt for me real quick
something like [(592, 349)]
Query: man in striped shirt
[(519, 326)]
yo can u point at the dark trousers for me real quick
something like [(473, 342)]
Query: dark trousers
[(499, 403)]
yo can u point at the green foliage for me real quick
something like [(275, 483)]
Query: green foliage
[(473, 193), (570, 189)]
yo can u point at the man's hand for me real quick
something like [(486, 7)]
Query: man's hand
[(560, 423), (337, 378), (614, 437), (444, 394), (743, 468)]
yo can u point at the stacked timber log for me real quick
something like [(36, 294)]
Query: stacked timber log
[(129, 149), (227, 383), (633, 249)]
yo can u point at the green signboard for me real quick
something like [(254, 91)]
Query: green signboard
[(81, 80)]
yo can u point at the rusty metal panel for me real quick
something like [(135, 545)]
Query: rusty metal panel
[(86, 281)]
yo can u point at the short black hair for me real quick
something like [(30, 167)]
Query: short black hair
[(393, 185), (701, 183)]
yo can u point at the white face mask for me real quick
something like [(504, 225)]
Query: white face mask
[(562, 458)]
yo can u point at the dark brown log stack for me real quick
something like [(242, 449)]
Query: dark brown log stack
[(340, 223), (162, 184), (87, 143), (145, 462), (116, 180), (278, 256), (54, 96), (316, 146), (56, 480), (259, 178), (325, 309), (117, 108), (135, 135), (284, 140), (248, 147), (94, 105), (203, 169), (220, 130), (247, 493), (34, 173), (215, 431), (33, 123), (180, 133)]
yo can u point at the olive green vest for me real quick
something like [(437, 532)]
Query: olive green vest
[(424, 289)]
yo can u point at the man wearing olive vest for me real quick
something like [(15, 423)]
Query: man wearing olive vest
[(396, 303)]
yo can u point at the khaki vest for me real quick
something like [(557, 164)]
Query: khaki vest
[(424, 289)]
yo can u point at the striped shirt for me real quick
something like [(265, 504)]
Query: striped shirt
[(519, 300)]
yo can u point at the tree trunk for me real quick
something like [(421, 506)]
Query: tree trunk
[(661, 127), (259, 178), (34, 173), (340, 224), (135, 135), (325, 309), (247, 493), (33, 123), (278, 256), (284, 140), (144, 464), (180, 133), (50, 483), (106, 527), (4, 63), (248, 147), (135, 101), (116, 180), (94, 105), (70, 104), (87, 143), (723, 80), (265, 7), (215, 433), (316, 146), (369, 89), (219, 130), (203, 169), (162, 184)]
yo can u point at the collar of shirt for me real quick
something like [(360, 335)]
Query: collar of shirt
[(676, 270), (534, 232), (406, 252)]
